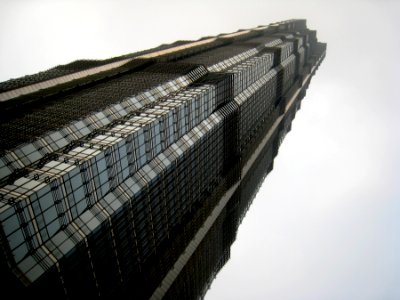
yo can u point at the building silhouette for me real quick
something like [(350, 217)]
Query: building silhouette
[(128, 177)]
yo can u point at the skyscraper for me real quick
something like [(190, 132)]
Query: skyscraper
[(129, 176)]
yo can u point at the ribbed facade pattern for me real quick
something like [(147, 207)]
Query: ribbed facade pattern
[(108, 175)]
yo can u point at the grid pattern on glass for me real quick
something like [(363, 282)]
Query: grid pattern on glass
[(223, 65), (134, 141), (115, 154), (207, 134), (189, 108), (223, 83), (99, 164), (164, 117), (93, 176), (221, 58), (298, 49), (55, 194), (256, 102), (79, 129), (9, 163), (151, 132), (250, 70), (26, 208), (184, 122), (25, 155), (51, 112), (84, 175)]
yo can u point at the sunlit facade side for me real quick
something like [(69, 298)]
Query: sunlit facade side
[(129, 176)]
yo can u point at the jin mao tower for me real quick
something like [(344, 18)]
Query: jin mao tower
[(130, 176)]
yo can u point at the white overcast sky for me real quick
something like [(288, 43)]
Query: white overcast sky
[(326, 222)]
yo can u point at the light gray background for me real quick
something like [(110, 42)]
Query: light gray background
[(325, 224)]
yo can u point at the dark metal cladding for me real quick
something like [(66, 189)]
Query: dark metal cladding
[(128, 177)]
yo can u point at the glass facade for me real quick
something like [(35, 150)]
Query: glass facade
[(135, 183)]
